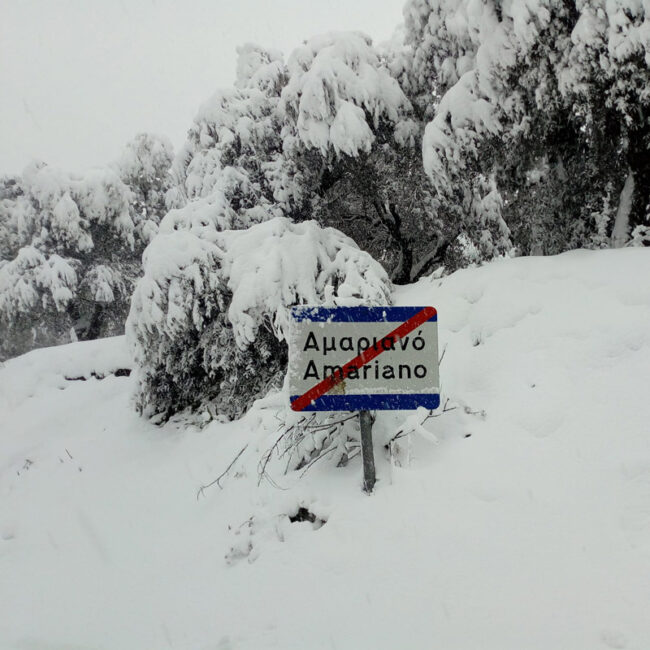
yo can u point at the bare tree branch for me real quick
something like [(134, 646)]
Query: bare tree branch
[(216, 480)]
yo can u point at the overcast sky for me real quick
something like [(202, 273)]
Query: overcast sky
[(79, 78)]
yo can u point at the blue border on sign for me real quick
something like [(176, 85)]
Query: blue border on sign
[(356, 314), (383, 402)]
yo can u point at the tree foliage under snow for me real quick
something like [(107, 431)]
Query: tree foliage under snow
[(234, 137), (70, 246), (548, 100), (209, 318), (350, 151)]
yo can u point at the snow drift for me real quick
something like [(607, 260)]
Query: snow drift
[(526, 526)]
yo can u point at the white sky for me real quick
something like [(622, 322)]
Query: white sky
[(79, 78)]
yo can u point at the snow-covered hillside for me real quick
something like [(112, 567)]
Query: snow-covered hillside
[(527, 527)]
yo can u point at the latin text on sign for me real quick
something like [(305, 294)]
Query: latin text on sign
[(349, 358)]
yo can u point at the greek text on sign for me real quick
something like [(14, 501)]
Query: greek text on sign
[(355, 358)]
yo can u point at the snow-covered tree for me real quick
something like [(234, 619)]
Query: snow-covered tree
[(70, 247), (144, 167), (209, 319), (235, 136), (548, 101), (350, 151)]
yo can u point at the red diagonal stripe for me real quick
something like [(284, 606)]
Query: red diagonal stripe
[(362, 359)]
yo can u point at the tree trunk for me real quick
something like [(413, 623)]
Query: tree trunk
[(391, 219), (620, 233)]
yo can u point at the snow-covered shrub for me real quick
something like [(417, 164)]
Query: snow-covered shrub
[(209, 319)]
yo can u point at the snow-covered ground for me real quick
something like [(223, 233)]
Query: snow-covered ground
[(526, 527)]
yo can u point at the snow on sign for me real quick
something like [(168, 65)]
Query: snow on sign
[(363, 358)]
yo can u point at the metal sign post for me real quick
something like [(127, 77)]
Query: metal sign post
[(367, 455), (363, 358)]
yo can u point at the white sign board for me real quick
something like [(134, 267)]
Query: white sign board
[(363, 358)]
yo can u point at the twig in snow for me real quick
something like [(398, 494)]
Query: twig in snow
[(403, 432), (216, 480), (322, 454), (266, 459)]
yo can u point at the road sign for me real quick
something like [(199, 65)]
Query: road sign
[(363, 358)]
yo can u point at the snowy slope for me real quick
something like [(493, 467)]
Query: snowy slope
[(526, 527)]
